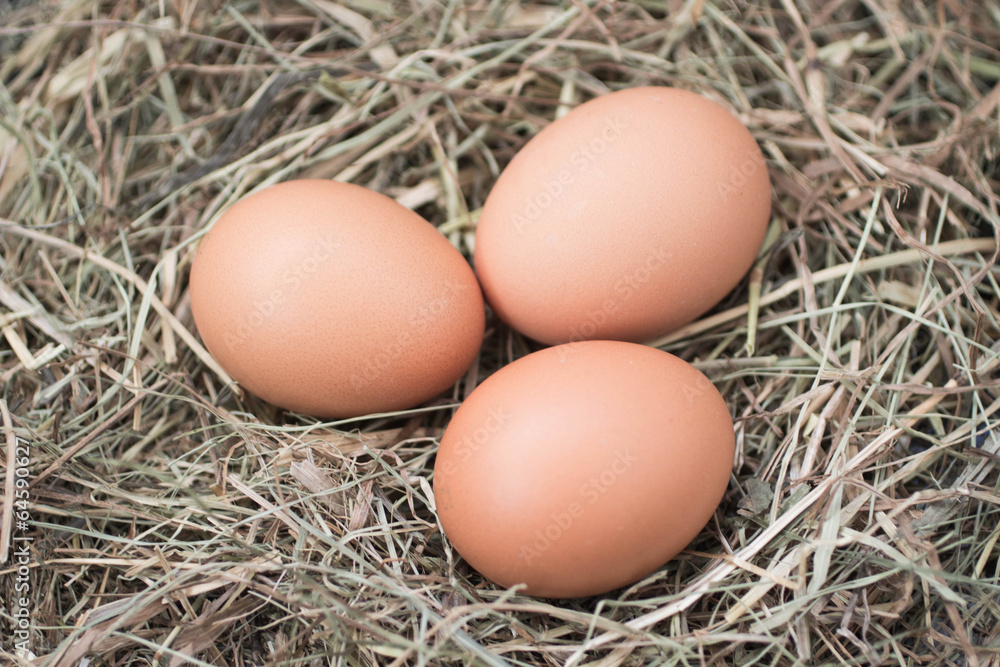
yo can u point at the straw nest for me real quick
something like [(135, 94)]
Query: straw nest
[(174, 519)]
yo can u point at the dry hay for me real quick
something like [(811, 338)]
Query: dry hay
[(176, 519)]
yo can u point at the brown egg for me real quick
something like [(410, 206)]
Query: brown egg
[(336, 301), (627, 218), (583, 467)]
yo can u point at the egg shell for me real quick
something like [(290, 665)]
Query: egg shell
[(583, 467), (625, 219), (333, 300)]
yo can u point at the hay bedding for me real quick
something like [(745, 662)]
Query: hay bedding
[(174, 519)]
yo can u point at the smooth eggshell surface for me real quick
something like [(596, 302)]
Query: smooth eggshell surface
[(625, 219), (583, 467), (333, 300)]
